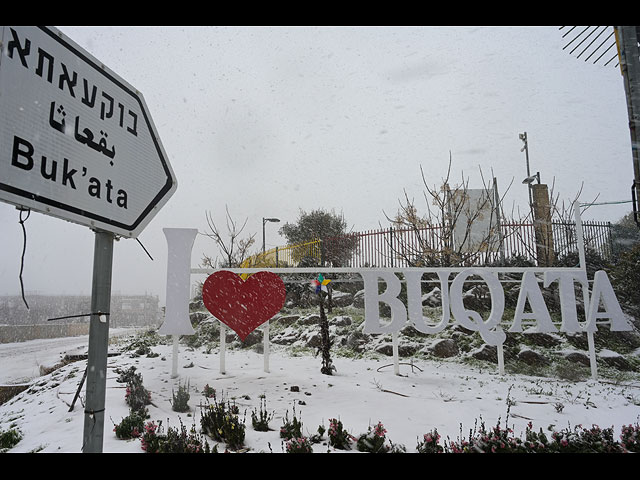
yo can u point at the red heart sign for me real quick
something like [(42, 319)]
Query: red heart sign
[(243, 305)]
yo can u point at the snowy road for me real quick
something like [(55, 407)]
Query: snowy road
[(20, 361)]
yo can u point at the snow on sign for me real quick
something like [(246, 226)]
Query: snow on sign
[(76, 140)]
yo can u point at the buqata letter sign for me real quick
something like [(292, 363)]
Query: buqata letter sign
[(76, 140)]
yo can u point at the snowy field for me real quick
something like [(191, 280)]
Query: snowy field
[(361, 393)]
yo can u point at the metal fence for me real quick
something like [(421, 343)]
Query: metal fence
[(430, 246), (396, 248)]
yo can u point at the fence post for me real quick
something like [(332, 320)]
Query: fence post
[(391, 244)]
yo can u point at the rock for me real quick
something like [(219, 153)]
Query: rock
[(287, 320), (407, 349), (578, 340), (384, 349), (340, 321), (542, 339), (253, 338), (444, 348), (312, 319), (357, 341), (358, 299), (287, 337), (459, 328), (433, 298), (195, 305), (577, 357), (486, 352), (313, 340), (197, 317), (531, 357), (615, 360), (341, 299)]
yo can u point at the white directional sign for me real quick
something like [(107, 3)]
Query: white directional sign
[(76, 140)]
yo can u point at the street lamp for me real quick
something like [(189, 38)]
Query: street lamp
[(264, 221), (529, 180), (525, 148)]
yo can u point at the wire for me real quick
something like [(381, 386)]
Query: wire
[(606, 203), (24, 249), (138, 240)]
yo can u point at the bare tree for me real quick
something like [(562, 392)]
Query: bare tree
[(233, 248), (447, 234)]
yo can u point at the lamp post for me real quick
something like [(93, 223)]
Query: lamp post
[(264, 221), (525, 148)]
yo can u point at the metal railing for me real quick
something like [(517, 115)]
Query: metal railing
[(429, 246)]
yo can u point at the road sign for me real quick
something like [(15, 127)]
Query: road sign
[(76, 141)]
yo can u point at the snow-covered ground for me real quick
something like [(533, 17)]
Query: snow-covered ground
[(443, 395)]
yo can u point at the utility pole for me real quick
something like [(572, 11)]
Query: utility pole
[(98, 343), (629, 54)]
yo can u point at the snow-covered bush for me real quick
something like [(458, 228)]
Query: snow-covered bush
[(131, 426)]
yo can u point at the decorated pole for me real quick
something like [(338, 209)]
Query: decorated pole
[(320, 286)]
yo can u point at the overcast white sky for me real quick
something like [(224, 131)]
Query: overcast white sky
[(273, 120)]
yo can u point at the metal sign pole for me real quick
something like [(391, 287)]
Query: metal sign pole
[(98, 343)]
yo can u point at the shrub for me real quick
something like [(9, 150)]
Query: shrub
[(630, 437), (9, 438), (151, 437), (180, 400), (299, 445), (208, 391), (184, 442), (581, 440), (430, 443), (136, 396), (223, 424), (174, 441), (374, 440), (496, 440), (317, 438), (260, 420), (131, 426), (338, 437), (291, 429)]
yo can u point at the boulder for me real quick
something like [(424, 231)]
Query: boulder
[(357, 341), (340, 321), (197, 317), (313, 340), (341, 299), (533, 358), (433, 298), (542, 339), (385, 349), (286, 320), (313, 319), (577, 357), (615, 360), (358, 299), (287, 337), (486, 352), (444, 348)]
